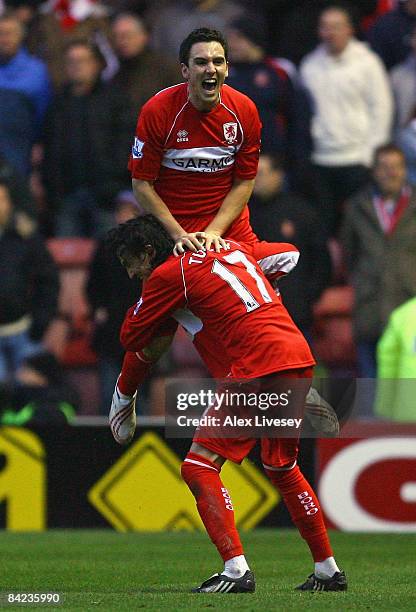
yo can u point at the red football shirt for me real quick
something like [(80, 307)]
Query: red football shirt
[(193, 157), (233, 302)]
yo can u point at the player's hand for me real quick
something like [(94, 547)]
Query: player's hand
[(215, 241), (194, 241)]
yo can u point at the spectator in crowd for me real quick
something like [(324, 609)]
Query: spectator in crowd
[(396, 365), (374, 9), (142, 72), (25, 10), (41, 396), (28, 289), (352, 112), (87, 139), (391, 33), (280, 216), (283, 106), (379, 239), (171, 24), (403, 82), (24, 95), (62, 21), (293, 23), (19, 188), (110, 293), (406, 140)]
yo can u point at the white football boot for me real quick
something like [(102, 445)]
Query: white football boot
[(122, 416)]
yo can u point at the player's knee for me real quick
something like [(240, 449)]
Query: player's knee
[(196, 470), (285, 475)]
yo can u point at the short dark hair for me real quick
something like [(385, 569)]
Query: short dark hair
[(201, 35), (133, 236), (92, 47), (390, 147)]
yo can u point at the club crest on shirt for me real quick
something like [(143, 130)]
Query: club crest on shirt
[(230, 132), (136, 150)]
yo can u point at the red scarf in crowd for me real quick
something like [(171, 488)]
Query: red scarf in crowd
[(65, 13), (389, 211)]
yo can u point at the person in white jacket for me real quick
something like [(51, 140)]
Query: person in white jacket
[(352, 112)]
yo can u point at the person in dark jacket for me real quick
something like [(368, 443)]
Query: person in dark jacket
[(143, 72), (19, 188), (284, 106), (41, 395), (379, 240), (277, 215), (86, 146), (390, 35), (29, 289), (110, 292)]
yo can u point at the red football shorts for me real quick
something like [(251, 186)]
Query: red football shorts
[(276, 453)]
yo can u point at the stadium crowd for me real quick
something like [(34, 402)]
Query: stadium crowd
[(335, 87)]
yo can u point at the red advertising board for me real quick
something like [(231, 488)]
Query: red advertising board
[(368, 483)]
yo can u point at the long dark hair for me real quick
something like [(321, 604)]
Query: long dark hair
[(133, 236)]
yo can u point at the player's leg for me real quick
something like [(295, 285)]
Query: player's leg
[(201, 472), (306, 513), (276, 259), (279, 456)]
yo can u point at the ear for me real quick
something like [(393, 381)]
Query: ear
[(185, 71), (150, 250)]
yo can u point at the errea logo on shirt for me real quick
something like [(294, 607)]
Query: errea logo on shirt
[(182, 136), (137, 147)]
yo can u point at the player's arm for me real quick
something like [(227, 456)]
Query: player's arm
[(152, 203), (137, 366), (144, 165), (135, 369), (163, 294), (231, 208)]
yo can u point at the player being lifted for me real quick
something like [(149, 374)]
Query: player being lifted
[(195, 155), (233, 301)]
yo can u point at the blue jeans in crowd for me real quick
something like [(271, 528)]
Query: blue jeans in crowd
[(14, 350)]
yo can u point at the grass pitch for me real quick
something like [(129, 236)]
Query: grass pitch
[(111, 571)]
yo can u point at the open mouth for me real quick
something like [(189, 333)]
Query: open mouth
[(209, 84)]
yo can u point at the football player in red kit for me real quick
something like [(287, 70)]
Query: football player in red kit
[(233, 300), (196, 149)]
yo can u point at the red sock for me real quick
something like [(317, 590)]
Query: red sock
[(304, 508), (213, 503), (134, 371)]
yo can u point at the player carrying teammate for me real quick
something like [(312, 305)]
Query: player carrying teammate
[(232, 299)]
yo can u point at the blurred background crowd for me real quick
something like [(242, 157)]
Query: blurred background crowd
[(335, 86)]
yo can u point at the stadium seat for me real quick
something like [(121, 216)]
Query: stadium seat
[(69, 334), (333, 340)]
